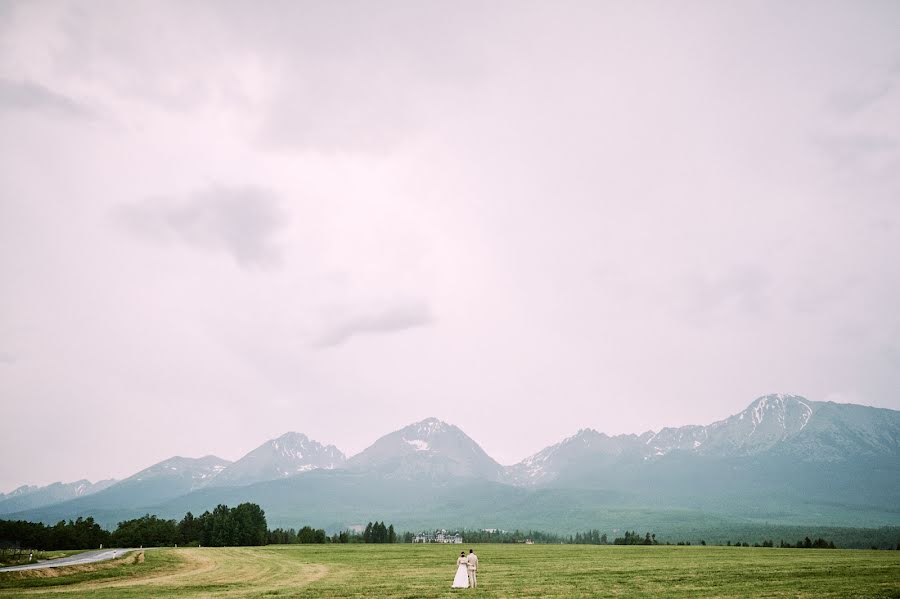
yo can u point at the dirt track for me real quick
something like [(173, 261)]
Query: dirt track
[(214, 572)]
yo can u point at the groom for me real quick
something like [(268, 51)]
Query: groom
[(472, 567)]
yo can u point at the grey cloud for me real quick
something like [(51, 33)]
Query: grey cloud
[(849, 149), (7, 358), (743, 288), (340, 115), (357, 77), (28, 96), (849, 102), (473, 157), (385, 319), (242, 221), (361, 80), (136, 52)]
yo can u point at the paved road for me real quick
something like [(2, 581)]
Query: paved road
[(88, 557)]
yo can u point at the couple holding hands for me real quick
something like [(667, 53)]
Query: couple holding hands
[(465, 572)]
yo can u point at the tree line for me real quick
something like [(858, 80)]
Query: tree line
[(244, 525), (595, 537), (376, 532), (223, 526), (306, 535), (633, 538), (502, 536), (589, 537), (808, 544), (82, 533)]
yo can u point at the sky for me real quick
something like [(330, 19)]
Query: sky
[(222, 221)]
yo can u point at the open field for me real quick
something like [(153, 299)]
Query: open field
[(506, 571)]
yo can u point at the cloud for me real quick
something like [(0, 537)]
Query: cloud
[(241, 221), (7, 358), (474, 159), (852, 101), (28, 96), (743, 289), (344, 114), (385, 319), (366, 82), (851, 148)]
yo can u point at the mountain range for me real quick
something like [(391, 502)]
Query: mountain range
[(784, 459), (31, 496)]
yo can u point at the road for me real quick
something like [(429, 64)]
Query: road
[(88, 557)]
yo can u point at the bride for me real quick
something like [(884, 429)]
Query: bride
[(461, 580)]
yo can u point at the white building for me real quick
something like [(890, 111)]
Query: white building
[(440, 536)]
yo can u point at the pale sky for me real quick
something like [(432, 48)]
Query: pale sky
[(221, 221)]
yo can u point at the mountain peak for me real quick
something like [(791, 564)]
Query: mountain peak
[(197, 468), (429, 448), (589, 432), (22, 490), (288, 442), (290, 454), (587, 444), (33, 497), (291, 436), (429, 426), (778, 399), (782, 411)]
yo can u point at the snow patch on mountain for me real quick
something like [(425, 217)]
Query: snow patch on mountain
[(418, 444)]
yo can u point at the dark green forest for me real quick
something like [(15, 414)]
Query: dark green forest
[(224, 526), (245, 525)]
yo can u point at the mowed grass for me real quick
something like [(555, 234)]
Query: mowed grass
[(415, 571), (132, 566)]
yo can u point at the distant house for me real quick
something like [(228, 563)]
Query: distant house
[(438, 536), (443, 537), (529, 542)]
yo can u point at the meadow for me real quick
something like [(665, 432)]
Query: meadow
[(414, 571)]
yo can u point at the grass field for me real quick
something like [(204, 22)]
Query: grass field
[(505, 571)]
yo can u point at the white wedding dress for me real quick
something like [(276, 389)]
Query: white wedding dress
[(461, 580)]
